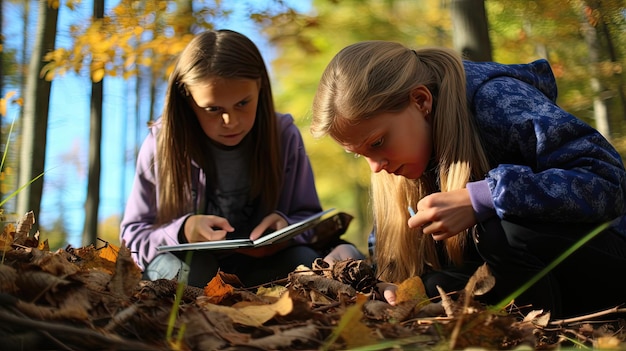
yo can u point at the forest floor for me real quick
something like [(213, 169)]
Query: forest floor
[(94, 298)]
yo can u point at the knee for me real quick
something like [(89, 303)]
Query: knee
[(164, 266)]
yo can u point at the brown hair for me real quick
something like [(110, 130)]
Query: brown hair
[(214, 54), (373, 77)]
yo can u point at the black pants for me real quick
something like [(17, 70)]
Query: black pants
[(250, 270), (589, 280)]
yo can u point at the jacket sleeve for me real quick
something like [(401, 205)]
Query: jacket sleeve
[(298, 198), (138, 231), (549, 165)]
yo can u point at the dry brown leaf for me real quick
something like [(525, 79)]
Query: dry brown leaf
[(90, 259), (329, 287), (285, 339), (33, 283), (411, 289), (57, 265), (481, 282), (24, 225), (217, 290), (254, 316), (8, 278), (482, 330), (51, 313), (353, 332), (127, 274), (7, 237)]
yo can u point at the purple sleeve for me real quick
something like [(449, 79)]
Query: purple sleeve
[(298, 198), (482, 202), (137, 227)]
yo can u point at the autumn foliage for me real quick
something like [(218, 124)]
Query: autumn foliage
[(94, 298)]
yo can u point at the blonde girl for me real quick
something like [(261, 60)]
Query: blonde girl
[(494, 169)]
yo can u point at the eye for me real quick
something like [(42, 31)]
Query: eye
[(212, 109), (243, 103), (356, 155), (378, 143)]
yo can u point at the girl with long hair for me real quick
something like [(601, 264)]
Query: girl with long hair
[(220, 163), (497, 173)]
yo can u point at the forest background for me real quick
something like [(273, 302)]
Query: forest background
[(80, 81)]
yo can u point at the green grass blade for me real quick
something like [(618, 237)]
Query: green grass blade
[(20, 189), (551, 266), (6, 147)]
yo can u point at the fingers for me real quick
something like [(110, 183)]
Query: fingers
[(206, 228), (388, 291), (273, 221)]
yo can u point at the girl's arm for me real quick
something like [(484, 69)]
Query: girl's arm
[(298, 198), (137, 227), (549, 164)]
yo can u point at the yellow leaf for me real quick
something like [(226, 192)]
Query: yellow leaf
[(109, 252), (411, 289), (251, 315), (351, 327), (97, 75), (607, 343), (3, 102), (273, 291)]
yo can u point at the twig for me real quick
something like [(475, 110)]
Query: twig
[(86, 334), (616, 309)]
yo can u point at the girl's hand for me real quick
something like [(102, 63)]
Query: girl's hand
[(444, 214), (343, 252), (200, 228), (388, 291), (274, 221)]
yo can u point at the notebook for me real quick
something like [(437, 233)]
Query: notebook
[(274, 237)]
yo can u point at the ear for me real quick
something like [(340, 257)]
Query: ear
[(421, 96)]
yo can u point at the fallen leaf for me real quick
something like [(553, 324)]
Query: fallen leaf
[(272, 291), (127, 274), (254, 316), (217, 290), (351, 328), (411, 289), (109, 252)]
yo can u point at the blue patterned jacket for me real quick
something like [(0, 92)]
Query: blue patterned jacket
[(548, 165)]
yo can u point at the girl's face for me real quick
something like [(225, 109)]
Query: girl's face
[(225, 108), (398, 143)]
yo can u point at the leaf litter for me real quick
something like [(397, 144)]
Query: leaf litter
[(94, 298)]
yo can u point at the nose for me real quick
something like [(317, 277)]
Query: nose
[(377, 165), (228, 121)]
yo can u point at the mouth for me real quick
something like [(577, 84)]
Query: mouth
[(231, 136), (398, 171)]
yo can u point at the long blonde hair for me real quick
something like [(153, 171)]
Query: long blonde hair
[(373, 77), (181, 140)]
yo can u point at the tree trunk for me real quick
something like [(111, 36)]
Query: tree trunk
[(471, 29), (2, 134), (600, 107), (35, 121), (90, 230)]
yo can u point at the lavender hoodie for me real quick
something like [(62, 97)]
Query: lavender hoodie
[(298, 195)]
